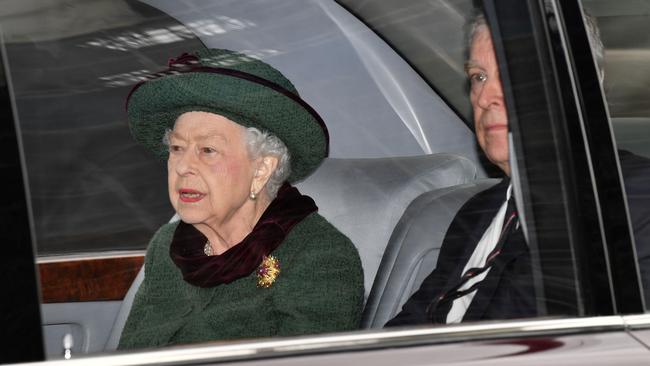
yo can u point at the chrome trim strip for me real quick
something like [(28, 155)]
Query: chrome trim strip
[(637, 322), (90, 256), (353, 341)]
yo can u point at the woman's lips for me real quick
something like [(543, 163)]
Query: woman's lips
[(190, 195)]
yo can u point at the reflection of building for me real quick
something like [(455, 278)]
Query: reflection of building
[(91, 186), (38, 21)]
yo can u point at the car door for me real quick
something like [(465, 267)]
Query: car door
[(576, 218)]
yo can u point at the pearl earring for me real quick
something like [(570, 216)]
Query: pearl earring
[(252, 196)]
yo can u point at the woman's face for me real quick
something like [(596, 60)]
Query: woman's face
[(209, 171)]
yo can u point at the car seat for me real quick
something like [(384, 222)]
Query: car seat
[(412, 252)]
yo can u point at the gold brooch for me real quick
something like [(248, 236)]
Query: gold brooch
[(268, 271)]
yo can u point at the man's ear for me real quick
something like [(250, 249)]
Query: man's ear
[(265, 167)]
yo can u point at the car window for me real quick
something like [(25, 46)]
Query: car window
[(94, 189), (625, 77), (541, 172), (389, 80), (432, 36)]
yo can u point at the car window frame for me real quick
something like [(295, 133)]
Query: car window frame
[(562, 146), (598, 131), (20, 305)]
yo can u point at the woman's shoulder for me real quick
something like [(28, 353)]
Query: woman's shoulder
[(162, 238), (316, 231), (314, 239), (320, 284)]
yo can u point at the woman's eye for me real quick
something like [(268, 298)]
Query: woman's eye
[(208, 150), (175, 148)]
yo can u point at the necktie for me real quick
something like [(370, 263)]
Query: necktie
[(440, 306)]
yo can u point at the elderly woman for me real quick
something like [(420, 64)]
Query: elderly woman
[(250, 256)]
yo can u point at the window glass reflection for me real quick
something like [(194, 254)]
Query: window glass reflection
[(626, 75), (91, 188)]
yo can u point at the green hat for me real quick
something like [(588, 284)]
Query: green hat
[(238, 87)]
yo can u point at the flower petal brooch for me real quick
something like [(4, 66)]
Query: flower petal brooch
[(268, 271)]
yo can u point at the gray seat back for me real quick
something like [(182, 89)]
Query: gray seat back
[(125, 308), (412, 251), (365, 198)]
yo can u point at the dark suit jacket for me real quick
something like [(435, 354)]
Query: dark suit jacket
[(506, 292), (636, 179)]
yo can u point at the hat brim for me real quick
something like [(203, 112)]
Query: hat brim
[(156, 104)]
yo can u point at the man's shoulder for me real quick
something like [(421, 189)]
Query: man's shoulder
[(479, 210), (492, 196), (634, 167)]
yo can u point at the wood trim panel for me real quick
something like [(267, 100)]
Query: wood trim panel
[(88, 279)]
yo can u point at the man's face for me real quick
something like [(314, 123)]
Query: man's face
[(486, 96)]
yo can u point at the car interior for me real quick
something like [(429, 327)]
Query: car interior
[(403, 157), (383, 157)]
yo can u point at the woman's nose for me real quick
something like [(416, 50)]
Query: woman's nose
[(186, 163)]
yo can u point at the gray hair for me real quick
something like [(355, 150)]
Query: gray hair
[(477, 22), (591, 26), (262, 143), (166, 139)]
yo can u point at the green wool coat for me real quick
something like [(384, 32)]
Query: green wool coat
[(319, 289)]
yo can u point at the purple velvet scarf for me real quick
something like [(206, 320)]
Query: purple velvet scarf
[(186, 250)]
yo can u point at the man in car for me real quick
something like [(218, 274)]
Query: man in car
[(484, 267)]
